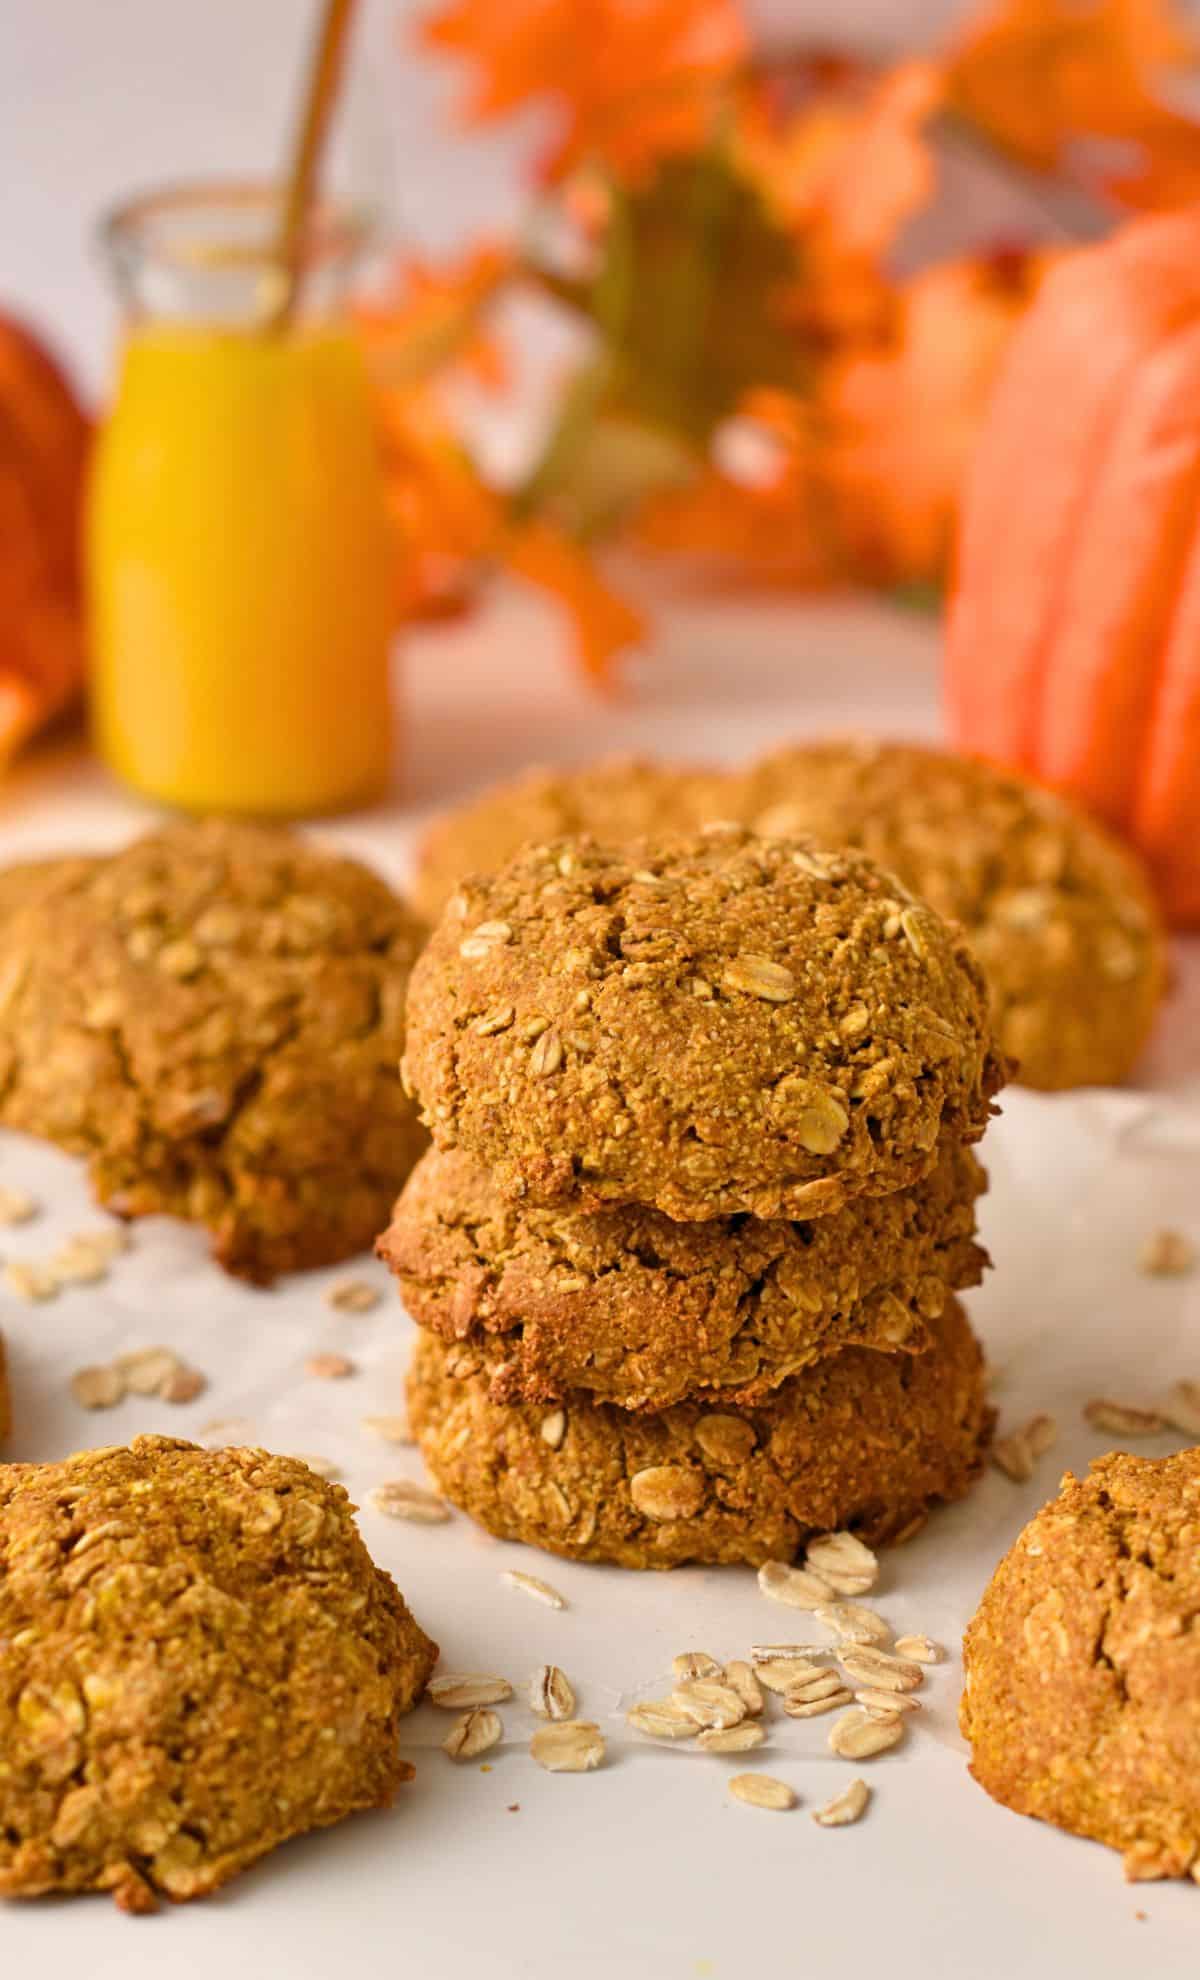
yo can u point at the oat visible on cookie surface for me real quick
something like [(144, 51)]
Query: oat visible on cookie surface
[(640, 1311), (214, 1016), (706, 1026), (1059, 913), (1082, 1664), (617, 799), (861, 1439), (198, 1659)]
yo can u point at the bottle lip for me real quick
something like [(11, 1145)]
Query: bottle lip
[(225, 222)]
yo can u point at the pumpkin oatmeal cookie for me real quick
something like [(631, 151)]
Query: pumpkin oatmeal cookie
[(639, 1311), (618, 800), (198, 1659), (214, 1017), (705, 1026), (1082, 1664), (5, 1395), (862, 1440), (1060, 914)]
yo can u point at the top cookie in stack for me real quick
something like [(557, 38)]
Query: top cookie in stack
[(696, 1032), (709, 1026)]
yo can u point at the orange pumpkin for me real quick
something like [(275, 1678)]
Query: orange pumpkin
[(1074, 633), (44, 438)]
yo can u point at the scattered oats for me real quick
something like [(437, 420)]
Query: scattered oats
[(323, 1466), (1182, 1407), (553, 1428), (848, 1806), (783, 1653), (1123, 1419), (1012, 1455), (762, 1791), (659, 1719), (731, 1739), (812, 1700), (886, 1704), (758, 976), (572, 1748), (183, 1385), (798, 1588), (854, 1624), (919, 1649), (388, 1429), (111, 1239), (462, 1690), (1165, 1254), (550, 1693), (857, 1736), (17, 1206), (352, 1296), (222, 1431), (79, 1262), (781, 1676), (708, 1702), (32, 1283), (97, 1388), (399, 1498), (868, 1665), (529, 1584), (329, 1367), (696, 1664), (146, 1369), (844, 1562), (476, 1732), (742, 1678), (1041, 1433)]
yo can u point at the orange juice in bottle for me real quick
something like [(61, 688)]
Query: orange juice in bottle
[(238, 550)]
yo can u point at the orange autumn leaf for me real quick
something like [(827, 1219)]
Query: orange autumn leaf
[(854, 161), (1073, 85), (756, 509), (899, 424), (603, 625), (844, 172), (428, 318), (445, 518), (627, 84)]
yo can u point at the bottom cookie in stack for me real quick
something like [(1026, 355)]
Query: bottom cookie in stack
[(863, 1439)]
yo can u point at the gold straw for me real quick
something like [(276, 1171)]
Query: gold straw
[(320, 95)]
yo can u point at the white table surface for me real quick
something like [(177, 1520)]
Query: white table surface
[(646, 1867)]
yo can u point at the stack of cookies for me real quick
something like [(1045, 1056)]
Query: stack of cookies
[(685, 1251)]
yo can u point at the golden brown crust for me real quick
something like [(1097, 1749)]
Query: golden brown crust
[(863, 1440), (1059, 913), (618, 799), (639, 1311), (198, 1659), (705, 1026), (214, 1016), (33, 880), (5, 1395), (1082, 1664)]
